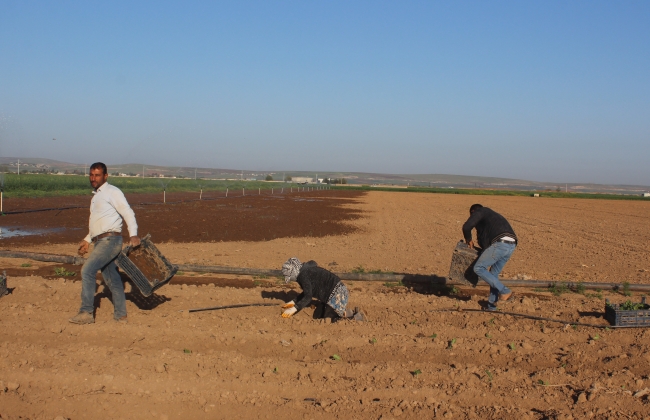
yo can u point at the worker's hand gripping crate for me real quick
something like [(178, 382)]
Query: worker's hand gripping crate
[(628, 314), (146, 266), (462, 265)]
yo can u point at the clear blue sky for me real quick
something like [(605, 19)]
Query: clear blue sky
[(548, 91)]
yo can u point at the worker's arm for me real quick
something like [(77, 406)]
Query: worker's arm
[(470, 224), (305, 297), (123, 208)]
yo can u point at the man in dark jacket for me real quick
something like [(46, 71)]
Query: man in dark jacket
[(497, 240), (316, 282)]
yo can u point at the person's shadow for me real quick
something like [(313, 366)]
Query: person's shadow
[(433, 285)]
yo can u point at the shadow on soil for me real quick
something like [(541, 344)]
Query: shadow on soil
[(135, 296)]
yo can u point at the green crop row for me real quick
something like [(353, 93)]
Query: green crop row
[(476, 191)]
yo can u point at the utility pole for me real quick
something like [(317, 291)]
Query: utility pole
[(18, 166), (195, 174), (566, 188), (142, 171)]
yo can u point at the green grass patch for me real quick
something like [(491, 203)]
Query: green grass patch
[(394, 284), (515, 193), (61, 271), (559, 288), (40, 185), (25, 265)]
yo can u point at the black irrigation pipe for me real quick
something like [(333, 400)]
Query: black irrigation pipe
[(144, 203), (242, 305), (539, 318), (384, 277)]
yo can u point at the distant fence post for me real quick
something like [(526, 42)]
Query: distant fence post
[(243, 192), (226, 192)]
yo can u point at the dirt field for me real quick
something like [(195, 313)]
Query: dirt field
[(408, 361)]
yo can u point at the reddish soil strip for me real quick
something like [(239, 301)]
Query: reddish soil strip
[(248, 218)]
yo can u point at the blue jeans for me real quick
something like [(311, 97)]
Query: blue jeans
[(489, 265), (103, 258)]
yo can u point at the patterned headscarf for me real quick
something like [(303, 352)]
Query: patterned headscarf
[(291, 269)]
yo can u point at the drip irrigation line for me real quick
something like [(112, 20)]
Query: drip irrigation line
[(147, 203), (538, 318), (47, 209), (242, 305)]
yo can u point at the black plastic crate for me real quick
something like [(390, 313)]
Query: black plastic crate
[(3, 284), (146, 266), (462, 265), (627, 318)]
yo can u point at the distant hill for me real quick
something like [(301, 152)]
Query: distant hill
[(363, 178)]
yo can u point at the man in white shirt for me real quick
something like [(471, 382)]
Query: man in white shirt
[(107, 209)]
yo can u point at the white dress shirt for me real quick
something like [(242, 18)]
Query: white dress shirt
[(107, 208)]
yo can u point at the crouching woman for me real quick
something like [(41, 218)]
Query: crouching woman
[(316, 282)]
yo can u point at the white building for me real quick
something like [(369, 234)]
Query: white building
[(302, 180)]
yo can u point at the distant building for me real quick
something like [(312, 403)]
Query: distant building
[(646, 194), (302, 180)]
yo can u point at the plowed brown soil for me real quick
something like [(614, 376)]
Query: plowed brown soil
[(408, 361)]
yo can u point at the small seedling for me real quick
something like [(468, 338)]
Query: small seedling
[(595, 337), (359, 269), (373, 340), (489, 375), (61, 271), (628, 305), (415, 321), (433, 336), (512, 346), (491, 321), (180, 273), (575, 327), (187, 351), (563, 365), (626, 288), (26, 265), (542, 382), (416, 372), (487, 335), (451, 343), (558, 288), (275, 369), (393, 284), (335, 357), (580, 288)]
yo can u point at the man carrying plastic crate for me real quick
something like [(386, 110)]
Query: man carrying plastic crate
[(497, 239), (107, 209)]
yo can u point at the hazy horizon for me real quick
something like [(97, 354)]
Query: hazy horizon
[(551, 91)]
